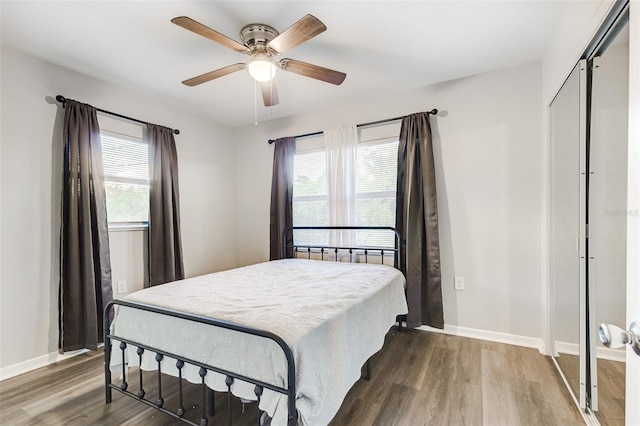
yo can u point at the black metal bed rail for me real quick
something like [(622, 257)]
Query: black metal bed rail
[(230, 376), (289, 246), (324, 250)]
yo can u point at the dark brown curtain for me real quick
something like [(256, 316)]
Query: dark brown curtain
[(85, 266), (417, 222), (165, 243), (281, 195)]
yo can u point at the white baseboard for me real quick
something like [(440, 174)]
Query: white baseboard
[(618, 355), (492, 336), (38, 362)]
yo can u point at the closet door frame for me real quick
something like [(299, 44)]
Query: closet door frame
[(581, 248), (582, 236), (591, 265)]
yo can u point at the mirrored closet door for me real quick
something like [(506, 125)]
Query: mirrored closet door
[(607, 217), (588, 221)]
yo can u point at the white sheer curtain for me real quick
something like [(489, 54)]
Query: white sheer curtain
[(341, 145)]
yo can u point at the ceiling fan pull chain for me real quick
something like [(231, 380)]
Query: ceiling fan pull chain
[(271, 83), (255, 102)]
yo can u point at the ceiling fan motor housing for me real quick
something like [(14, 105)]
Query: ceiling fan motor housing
[(256, 36)]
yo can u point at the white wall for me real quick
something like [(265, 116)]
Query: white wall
[(31, 127), (488, 160), (129, 260)]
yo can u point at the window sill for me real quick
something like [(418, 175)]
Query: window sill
[(137, 226)]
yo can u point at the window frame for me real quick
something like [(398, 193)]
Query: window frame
[(314, 146)]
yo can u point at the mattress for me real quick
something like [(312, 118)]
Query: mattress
[(333, 315)]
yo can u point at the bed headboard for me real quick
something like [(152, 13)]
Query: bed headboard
[(368, 244)]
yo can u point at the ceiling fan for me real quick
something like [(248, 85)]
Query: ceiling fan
[(262, 43)]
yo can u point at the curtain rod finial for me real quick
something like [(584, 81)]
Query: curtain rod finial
[(434, 111), (61, 99)]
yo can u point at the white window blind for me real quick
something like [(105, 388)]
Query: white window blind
[(126, 170), (376, 176), (310, 196)]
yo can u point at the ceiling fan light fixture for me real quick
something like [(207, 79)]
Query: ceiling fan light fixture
[(262, 68)]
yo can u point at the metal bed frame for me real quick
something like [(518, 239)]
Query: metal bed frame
[(288, 245), (208, 407)]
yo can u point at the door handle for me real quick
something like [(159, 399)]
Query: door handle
[(614, 337)]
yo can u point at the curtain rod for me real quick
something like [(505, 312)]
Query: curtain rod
[(371, 123), (62, 100)]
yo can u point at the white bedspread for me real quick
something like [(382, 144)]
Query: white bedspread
[(333, 315)]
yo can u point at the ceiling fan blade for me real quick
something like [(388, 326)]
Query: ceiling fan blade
[(214, 74), (204, 31), (313, 71), (269, 93), (306, 28)]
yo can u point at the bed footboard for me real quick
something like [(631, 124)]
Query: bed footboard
[(207, 394)]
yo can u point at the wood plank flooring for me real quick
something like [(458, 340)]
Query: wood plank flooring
[(418, 378)]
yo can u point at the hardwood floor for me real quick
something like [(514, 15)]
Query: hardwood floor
[(418, 378)]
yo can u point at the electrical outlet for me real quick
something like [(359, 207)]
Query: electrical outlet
[(122, 286), (459, 283)]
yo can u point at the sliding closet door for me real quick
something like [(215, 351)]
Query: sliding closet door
[(608, 215), (567, 115)]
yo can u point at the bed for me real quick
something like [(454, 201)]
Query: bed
[(292, 334)]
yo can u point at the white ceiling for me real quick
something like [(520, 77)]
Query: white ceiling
[(383, 46)]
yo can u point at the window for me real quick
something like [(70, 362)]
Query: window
[(376, 176), (126, 172)]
